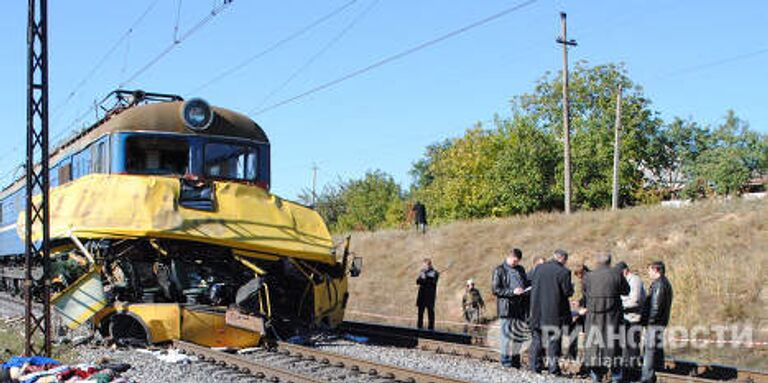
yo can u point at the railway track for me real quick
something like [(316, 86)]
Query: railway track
[(367, 370), (676, 371), (248, 366)]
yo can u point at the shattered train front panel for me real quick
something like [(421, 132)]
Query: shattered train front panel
[(179, 238)]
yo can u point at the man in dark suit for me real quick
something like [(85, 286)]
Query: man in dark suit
[(425, 301), (603, 288), (550, 310)]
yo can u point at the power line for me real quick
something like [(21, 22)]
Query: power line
[(104, 58), (397, 56), (727, 60), (200, 24), (272, 47), (318, 54), (217, 9)]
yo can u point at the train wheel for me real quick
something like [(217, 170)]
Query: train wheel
[(127, 331)]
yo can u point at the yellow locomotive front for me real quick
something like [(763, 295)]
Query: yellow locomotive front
[(164, 210)]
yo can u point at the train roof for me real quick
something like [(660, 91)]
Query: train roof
[(165, 117), (138, 115)]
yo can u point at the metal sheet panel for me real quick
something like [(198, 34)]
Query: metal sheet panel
[(82, 300), (246, 217)]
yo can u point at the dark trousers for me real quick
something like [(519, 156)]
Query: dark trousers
[(430, 315), (653, 359), (631, 351), (552, 340), (576, 328)]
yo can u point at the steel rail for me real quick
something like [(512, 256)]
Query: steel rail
[(675, 370), (366, 366), (244, 365)]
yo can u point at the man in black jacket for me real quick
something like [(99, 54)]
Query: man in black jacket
[(550, 310), (427, 282), (603, 288), (656, 318), (508, 285)]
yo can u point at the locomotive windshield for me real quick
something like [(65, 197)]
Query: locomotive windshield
[(231, 161), (156, 155)]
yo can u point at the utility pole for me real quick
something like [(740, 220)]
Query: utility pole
[(314, 185), (37, 252), (616, 148), (563, 40)]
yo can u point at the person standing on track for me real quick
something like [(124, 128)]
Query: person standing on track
[(550, 310), (472, 304), (425, 300), (633, 309), (658, 306), (603, 288), (508, 284)]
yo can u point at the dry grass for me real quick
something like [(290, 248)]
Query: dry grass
[(715, 255)]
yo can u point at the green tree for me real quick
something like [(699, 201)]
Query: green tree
[(508, 169), (329, 203), (593, 104), (367, 201), (730, 156)]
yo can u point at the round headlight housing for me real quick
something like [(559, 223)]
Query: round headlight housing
[(197, 114)]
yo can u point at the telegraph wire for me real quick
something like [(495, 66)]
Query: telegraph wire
[(318, 54), (396, 56), (272, 47)]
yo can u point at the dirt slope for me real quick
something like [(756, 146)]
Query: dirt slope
[(716, 255)]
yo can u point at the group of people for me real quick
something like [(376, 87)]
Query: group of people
[(613, 312)]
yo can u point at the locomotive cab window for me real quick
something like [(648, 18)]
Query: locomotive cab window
[(156, 155), (231, 161)]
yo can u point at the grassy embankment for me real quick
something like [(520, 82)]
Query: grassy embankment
[(716, 255)]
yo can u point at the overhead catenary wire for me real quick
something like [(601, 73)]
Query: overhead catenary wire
[(104, 59), (272, 47), (176, 42), (714, 63), (396, 56), (325, 48), (216, 10)]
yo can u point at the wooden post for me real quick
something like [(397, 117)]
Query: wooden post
[(616, 150)]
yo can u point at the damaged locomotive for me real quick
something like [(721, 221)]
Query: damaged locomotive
[(162, 227)]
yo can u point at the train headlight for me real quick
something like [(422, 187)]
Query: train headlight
[(196, 114)]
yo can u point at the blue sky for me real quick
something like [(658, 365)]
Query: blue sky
[(384, 118)]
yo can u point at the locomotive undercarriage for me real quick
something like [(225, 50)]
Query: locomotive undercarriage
[(278, 292)]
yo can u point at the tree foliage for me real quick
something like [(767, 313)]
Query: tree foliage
[(515, 165), (368, 203)]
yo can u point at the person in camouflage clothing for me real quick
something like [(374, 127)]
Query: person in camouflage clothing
[(472, 303)]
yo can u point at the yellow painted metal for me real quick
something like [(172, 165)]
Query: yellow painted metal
[(246, 217), (329, 300), (82, 300), (256, 269), (210, 329), (162, 320), (171, 321)]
